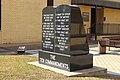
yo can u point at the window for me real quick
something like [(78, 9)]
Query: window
[(50, 2)]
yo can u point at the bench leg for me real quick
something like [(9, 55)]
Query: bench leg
[(102, 50), (108, 48)]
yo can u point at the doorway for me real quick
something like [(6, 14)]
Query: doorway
[(97, 20), (93, 20)]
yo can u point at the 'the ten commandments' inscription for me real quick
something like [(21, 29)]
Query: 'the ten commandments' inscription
[(48, 30), (62, 31)]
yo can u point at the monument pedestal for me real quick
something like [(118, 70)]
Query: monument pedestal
[(66, 62), (94, 71)]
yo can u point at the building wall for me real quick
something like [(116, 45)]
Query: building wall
[(87, 24), (59, 2), (112, 20), (21, 21), (0, 37), (112, 15)]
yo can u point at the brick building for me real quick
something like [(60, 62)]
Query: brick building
[(21, 20)]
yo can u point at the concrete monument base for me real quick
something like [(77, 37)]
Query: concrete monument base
[(95, 71)]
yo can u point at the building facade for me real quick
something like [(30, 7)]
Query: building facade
[(21, 20)]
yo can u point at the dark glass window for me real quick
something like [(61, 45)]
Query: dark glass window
[(50, 2)]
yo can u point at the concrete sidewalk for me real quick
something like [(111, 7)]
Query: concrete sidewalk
[(110, 60), (13, 47)]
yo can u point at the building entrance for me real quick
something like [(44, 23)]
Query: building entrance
[(97, 19)]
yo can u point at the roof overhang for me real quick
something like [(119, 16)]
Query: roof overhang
[(101, 3)]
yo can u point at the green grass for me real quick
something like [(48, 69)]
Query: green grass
[(15, 67)]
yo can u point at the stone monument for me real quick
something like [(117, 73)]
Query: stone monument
[(64, 43)]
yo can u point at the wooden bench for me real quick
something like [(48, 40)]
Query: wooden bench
[(108, 42)]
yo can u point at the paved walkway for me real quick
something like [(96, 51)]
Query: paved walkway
[(111, 60)]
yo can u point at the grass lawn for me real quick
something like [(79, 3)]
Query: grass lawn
[(15, 67)]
